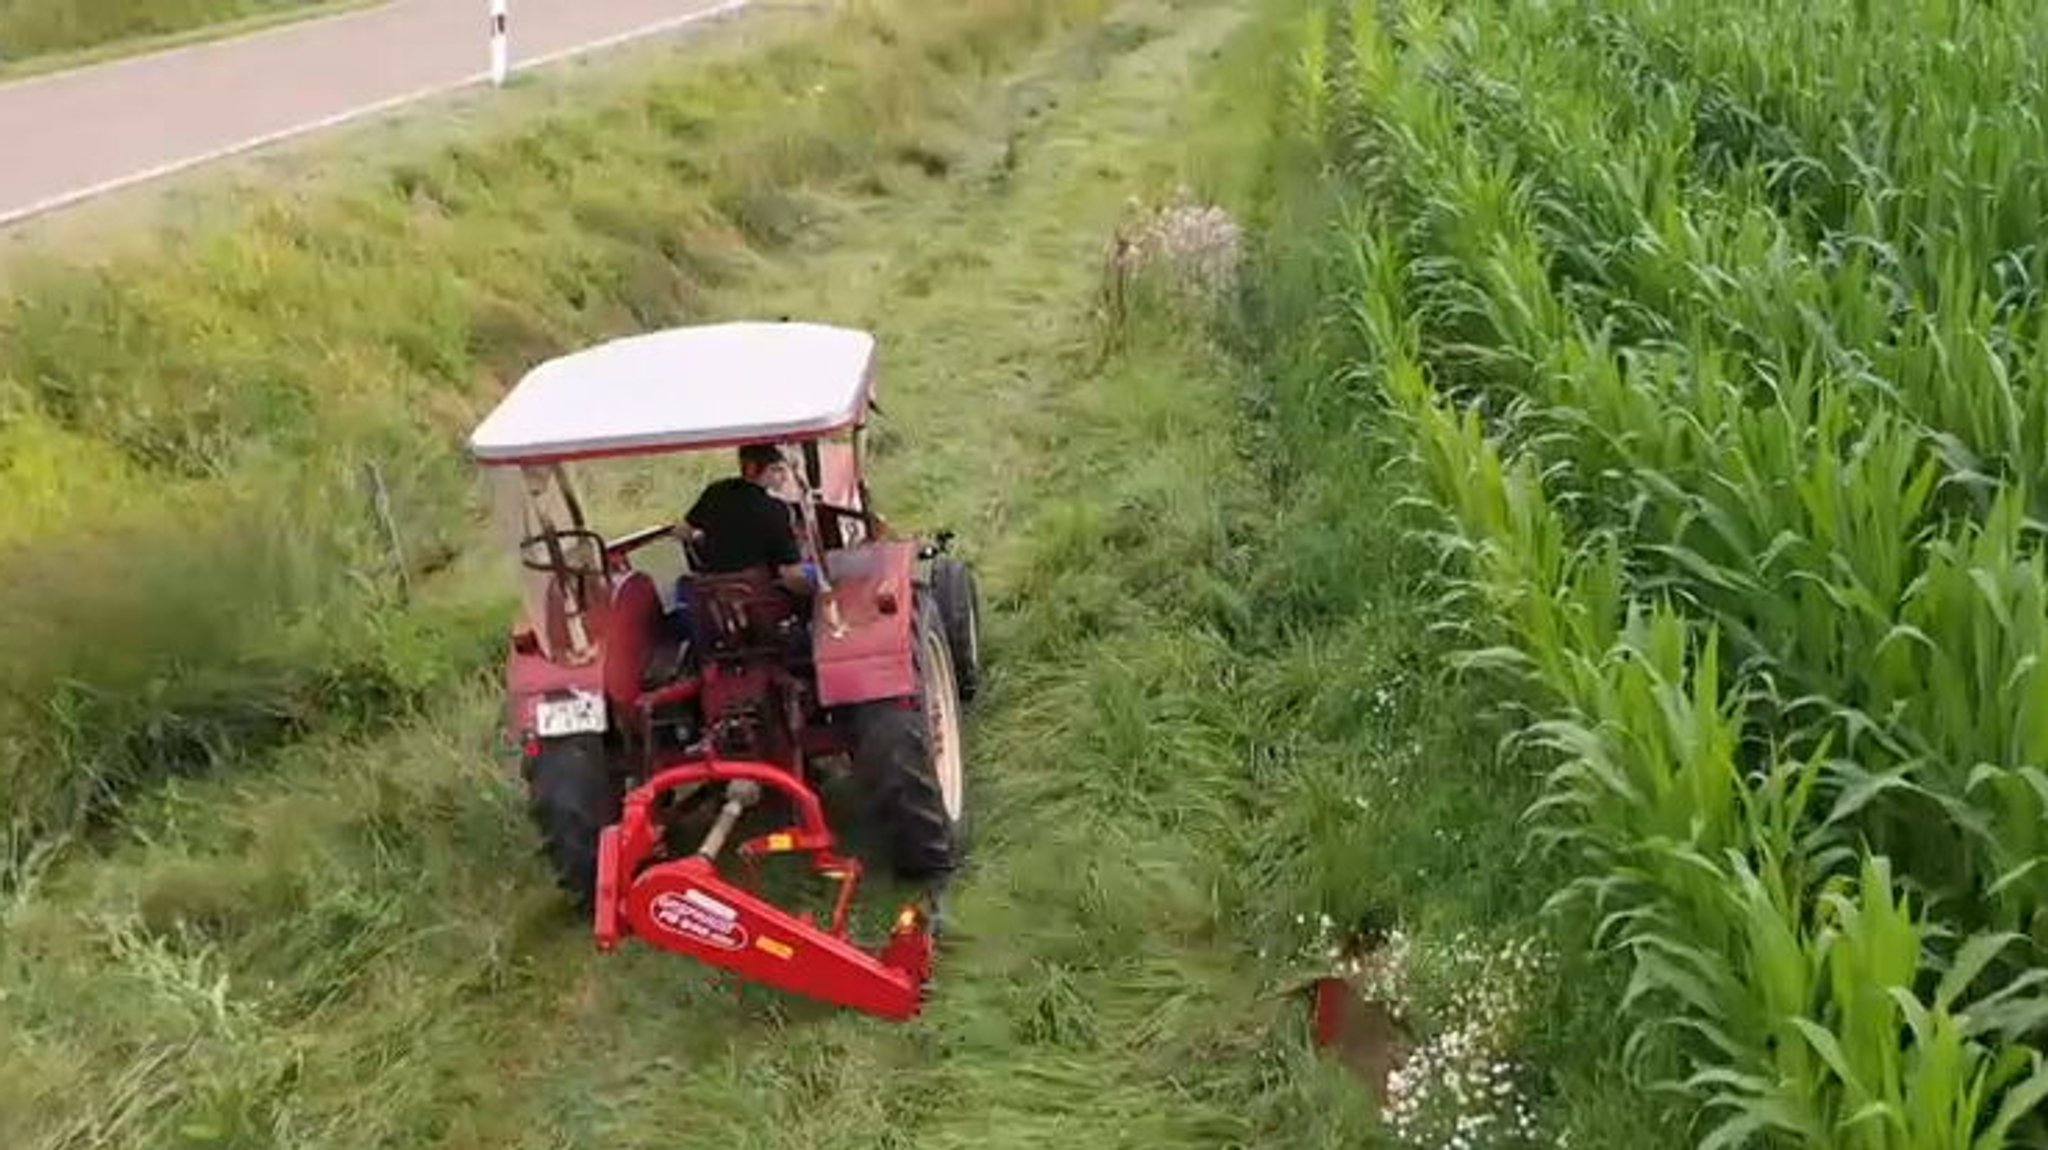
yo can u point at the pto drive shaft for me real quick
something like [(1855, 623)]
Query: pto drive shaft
[(739, 795)]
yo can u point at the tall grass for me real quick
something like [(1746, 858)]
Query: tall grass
[(221, 582), (1672, 405)]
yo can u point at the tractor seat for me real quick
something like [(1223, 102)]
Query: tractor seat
[(742, 614)]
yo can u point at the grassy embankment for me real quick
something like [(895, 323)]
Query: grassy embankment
[(1715, 341), (38, 34)]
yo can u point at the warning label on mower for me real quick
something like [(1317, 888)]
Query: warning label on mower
[(699, 917)]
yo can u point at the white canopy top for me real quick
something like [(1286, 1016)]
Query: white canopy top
[(688, 387)]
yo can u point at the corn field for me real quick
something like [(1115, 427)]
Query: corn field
[(1715, 332)]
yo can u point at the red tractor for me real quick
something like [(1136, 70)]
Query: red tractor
[(660, 716)]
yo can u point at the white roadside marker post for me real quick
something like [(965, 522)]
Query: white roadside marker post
[(500, 56)]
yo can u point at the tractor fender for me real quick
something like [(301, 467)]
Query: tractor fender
[(623, 631), (631, 628), (862, 641)]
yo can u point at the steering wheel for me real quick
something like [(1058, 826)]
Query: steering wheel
[(554, 552)]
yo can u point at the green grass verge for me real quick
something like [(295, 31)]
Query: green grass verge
[(37, 35)]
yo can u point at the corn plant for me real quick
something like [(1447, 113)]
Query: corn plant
[(1484, 282)]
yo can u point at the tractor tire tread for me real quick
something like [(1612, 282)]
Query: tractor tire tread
[(892, 749), (572, 798), (959, 605)]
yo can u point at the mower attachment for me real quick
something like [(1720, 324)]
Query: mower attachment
[(685, 906)]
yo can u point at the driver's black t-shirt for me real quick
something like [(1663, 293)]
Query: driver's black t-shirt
[(743, 527)]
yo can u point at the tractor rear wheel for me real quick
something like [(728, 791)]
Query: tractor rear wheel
[(572, 797), (911, 761), (959, 603)]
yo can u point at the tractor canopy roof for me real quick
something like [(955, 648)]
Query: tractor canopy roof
[(684, 389)]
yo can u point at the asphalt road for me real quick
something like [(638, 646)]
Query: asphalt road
[(68, 136)]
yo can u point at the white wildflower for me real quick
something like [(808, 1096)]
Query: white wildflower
[(1460, 1087)]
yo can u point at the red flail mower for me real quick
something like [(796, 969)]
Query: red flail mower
[(660, 716)]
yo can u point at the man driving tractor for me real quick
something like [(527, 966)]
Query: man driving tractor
[(629, 704), (738, 523)]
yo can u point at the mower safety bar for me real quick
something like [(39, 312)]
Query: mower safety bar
[(684, 905)]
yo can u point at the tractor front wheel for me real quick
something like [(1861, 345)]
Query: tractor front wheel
[(911, 760), (959, 604), (572, 797)]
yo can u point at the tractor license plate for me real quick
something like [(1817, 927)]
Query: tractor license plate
[(578, 714)]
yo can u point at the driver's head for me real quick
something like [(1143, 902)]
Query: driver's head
[(762, 463)]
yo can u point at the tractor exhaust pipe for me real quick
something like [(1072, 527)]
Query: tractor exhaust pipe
[(739, 795)]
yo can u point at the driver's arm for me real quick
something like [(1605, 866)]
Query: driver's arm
[(780, 536)]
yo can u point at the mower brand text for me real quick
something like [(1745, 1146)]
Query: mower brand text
[(696, 915)]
